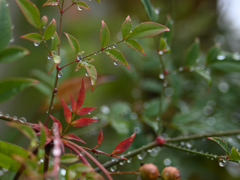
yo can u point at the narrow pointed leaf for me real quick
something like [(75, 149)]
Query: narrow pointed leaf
[(193, 53), (55, 120), (221, 142), (43, 21), (151, 12), (123, 145), (7, 151), (5, 25), (69, 158), (83, 122), (117, 56), (12, 53), (55, 42), (213, 53), (51, 2), (126, 27), (100, 137), (85, 110), (43, 136), (134, 45), (91, 70), (73, 137), (146, 30), (73, 42), (10, 87), (80, 98), (82, 5), (34, 37), (98, 1), (30, 11), (104, 34), (50, 30), (162, 44), (67, 112), (73, 105), (234, 155)]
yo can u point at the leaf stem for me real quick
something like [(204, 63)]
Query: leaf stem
[(68, 125)]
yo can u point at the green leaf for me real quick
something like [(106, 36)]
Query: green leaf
[(117, 56), (73, 42), (55, 41), (193, 53), (213, 53), (126, 27), (134, 45), (82, 5), (43, 136), (69, 158), (147, 29), (10, 87), (26, 130), (51, 2), (205, 74), (92, 72), (168, 35), (34, 37), (76, 170), (5, 25), (30, 11), (43, 21), (234, 155), (226, 66), (104, 34), (12, 53), (221, 142), (98, 1), (163, 46), (50, 30), (151, 11), (7, 151)]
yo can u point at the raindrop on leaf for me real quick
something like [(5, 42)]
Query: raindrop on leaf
[(79, 8), (115, 63), (36, 44), (221, 57)]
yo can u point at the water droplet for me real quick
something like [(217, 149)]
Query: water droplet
[(160, 52), (133, 115), (114, 46), (207, 110), (153, 153), (131, 31), (79, 8), (141, 155), (122, 163), (115, 63), (169, 91), (191, 69), (79, 58), (1, 114), (222, 162), (7, 4), (105, 109), (60, 74), (36, 44), (52, 37), (7, 115), (11, 40), (157, 10), (5, 170), (129, 160), (180, 69), (223, 87), (86, 74), (113, 168), (63, 172), (49, 57), (188, 144), (95, 53), (22, 119), (89, 113), (161, 76), (221, 57), (15, 118), (236, 56), (167, 162), (165, 84), (211, 121), (56, 152)]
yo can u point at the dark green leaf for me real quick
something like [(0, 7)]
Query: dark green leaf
[(151, 11), (226, 66), (163, 46), (55, 41), (30, 11), (193, 53), (92, 72), (10, 54), (134, 45), (221, 142), (5, 25), (82, 5), (34, 37), (7, 152), (104, 34), (213, 53), (69, 158), (126, 27), (147, 29), (10, 87), (234, 156), (73, 42), (117, 56), (50, 30), (204, 73), (43, 21)]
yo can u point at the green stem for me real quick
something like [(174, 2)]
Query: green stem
[(68, 125)]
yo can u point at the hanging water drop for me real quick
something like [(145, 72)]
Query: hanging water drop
[(89, 113), (49, 57), (160, 52), (7, 4), (115, 63), (157, 10), (180, 69), (129, 160), (122, 163), (15, 118), (22, 119), (161, 76), (236, 56), (86, 74), (222, 162), (113, 168), (141, 155), (221, 57), (52, 37), (95, 53), (60, 74), (7, 115), (36, 44), (114, 46), (79, 8), (153, 153)]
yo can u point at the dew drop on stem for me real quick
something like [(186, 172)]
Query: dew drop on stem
[(129, 160), (141, 155), (15, 118), (122, 162), (114, 46), (86, 74), (113, 168), (161, 76), (222, 162), (160, 52), (60, 74), (22, 119), (7, 115), (79, 8), (49, 57), (115, 63), (36, 44)]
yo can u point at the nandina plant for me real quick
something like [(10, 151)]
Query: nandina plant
[(56, 152)]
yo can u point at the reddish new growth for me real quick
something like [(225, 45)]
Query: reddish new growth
[(160, 140)]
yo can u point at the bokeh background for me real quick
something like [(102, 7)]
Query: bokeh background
[(129, 100)]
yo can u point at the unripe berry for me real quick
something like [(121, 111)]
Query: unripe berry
[(170, 173), (149, 172)]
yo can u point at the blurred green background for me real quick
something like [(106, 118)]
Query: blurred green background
[(129, 100)]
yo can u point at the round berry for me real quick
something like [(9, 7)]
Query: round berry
[(170, 173), (149, 172)]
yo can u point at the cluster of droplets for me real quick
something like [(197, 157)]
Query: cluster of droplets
[(14, 118), (3, 171)]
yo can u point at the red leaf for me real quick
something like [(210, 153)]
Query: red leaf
[(80, 97), (57, 121), (73, 137), (73, 104), (123, 145), (100, 137), (85, 110), (67, 112), (83, 122)]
